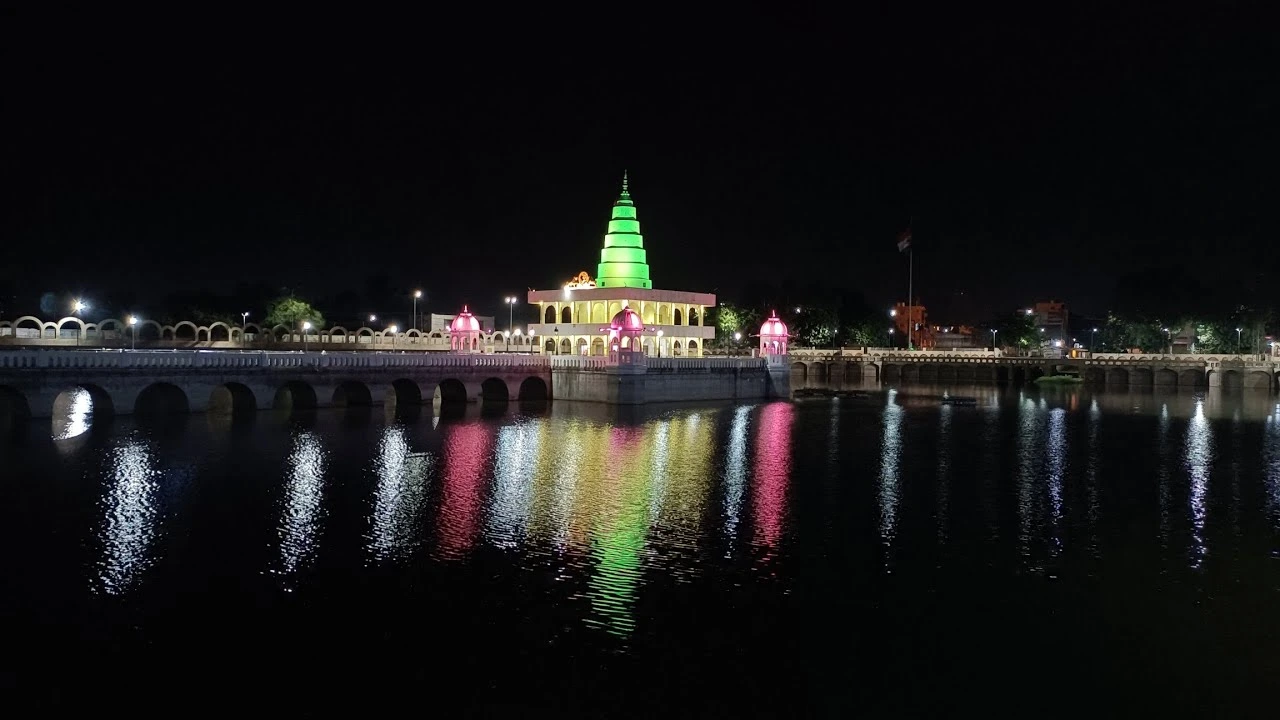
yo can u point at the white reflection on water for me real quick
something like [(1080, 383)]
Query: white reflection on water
[(1028, 472), (79, 417), (515, 459), (1198, 458), (1057, 457), (890, 467), (658, 472), (1095, 425), (1163, 474), (302, 514), (130, 512), (1271, 462), (398, 497), (735, 470)]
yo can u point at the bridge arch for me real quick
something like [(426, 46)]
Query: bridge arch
[(494, 390), (1141, 376), (1192, 379), (1232, 380), (1035, 373), (1117, 376), (450, 390), (929, 373), (799, 371), (1164, 377), (1095, 376), (1258, 380), (14, 408), (403, 392), (295, 395), (232, 399), (947, 373), (533, 389), (161, 398), (76, 409), (352, 393)]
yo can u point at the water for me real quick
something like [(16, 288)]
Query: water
[(1043, 552)]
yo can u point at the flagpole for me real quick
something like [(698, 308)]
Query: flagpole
[(911, 316)]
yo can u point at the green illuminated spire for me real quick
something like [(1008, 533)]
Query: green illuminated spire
[(622, 261)]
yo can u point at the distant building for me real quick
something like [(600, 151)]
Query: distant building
[(918, 323), (1051, 318), (440, 323), (946, 337)]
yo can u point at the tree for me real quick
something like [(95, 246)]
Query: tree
[(292, 312), (1018, 330)]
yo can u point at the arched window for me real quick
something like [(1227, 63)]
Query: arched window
[(566, 315), (693, 349), (677, 317), (549, 317)]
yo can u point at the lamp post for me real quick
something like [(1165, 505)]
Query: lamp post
[(133, 333), (416, 294), (511, 306), (373, 318), (1168, 339), (393, 329), (76, 307), (993, 339), (306, 325), (1238, 331), (244, 325), (890, 337), (1092, 333)]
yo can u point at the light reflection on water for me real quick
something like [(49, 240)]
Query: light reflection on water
[(1199, 448), (301, 510), (130, 513), (890, 461), (616, 507), (399, 497), (73, 414)]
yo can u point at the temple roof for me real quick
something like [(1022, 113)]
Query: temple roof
[(623, 262)]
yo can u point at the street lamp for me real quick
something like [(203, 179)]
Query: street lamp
[(133, 333), (76, 307), (244, 325), (1169, 339), (393, 329), (373, 318), (306, 325), (416, 294), (893, 312), (1238, 331), (890, 337), (993, 339), (1091, 334), (1029, 312), (511, 305)]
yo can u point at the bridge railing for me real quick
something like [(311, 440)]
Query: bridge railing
[(203, 359)]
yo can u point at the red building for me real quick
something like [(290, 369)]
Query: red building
[(918, 323)]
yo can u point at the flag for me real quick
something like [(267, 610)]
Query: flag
[(904, 240)]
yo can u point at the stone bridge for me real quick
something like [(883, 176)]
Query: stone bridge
[(124, 382), (1181, 371)]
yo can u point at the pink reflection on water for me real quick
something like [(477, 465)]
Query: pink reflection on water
[(466, 452), (772, 472)]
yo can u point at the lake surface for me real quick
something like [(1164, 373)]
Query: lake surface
[(1042, 552)]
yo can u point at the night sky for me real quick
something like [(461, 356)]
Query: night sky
[(1037, 156)]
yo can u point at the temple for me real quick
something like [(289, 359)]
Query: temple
[(579, 318)]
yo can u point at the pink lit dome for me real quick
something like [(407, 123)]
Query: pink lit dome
[(465, 322), (627, 319), (773, 327)]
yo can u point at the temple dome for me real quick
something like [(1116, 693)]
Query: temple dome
[(465, 322), (626, 319), (773, 327)]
